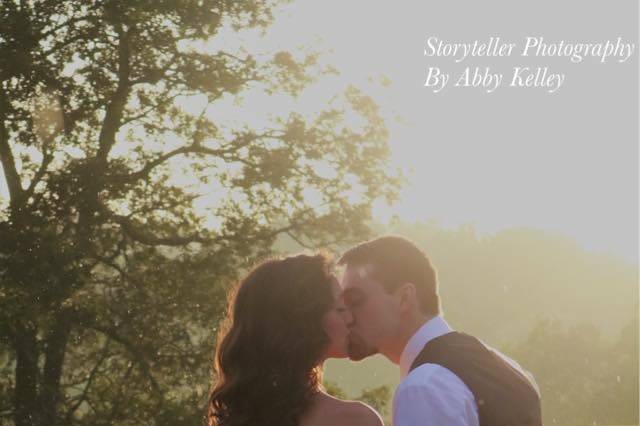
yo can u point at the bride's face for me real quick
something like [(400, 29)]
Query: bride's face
[(336, 324)]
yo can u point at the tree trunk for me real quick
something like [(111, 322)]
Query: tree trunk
[(54, 359), (27, 412)]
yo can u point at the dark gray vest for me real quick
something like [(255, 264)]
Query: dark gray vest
[(504, 395)]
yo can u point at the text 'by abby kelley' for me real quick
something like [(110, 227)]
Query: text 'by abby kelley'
[(485, 79)]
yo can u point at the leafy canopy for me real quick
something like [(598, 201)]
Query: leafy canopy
[(112, 267)]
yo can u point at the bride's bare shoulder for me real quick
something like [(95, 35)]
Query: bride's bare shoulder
[(331, 411), (359, 413)]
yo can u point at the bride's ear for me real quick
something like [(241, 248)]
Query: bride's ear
[(408, 299)]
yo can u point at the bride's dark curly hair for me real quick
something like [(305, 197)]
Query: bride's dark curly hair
[(267, 365)]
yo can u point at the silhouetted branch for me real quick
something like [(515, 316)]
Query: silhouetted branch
[(89, 321), (195, 148), (94, 370), (146, 237), (47, 157), (115, 108), (6, 155)]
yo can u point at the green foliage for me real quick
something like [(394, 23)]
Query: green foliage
[(333, 389), (111, 278), (583, 379), (378, 398)]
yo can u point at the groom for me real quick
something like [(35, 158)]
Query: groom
[(448, 378)]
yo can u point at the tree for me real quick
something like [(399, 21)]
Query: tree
[(378, 398), (583, 379), (111, 277), (618, 393), (334, 389)]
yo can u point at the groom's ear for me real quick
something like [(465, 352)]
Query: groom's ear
[(408, 298)]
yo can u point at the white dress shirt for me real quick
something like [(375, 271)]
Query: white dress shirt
[(431, 395)]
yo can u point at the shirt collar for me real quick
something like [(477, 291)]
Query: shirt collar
[(431, 329)]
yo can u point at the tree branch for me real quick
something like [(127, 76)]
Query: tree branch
[(195, 148), (299, 241), (160, 73), (149, 239), (47, 157), (118, 401), (56, 344), (144, 171), (94, 370), (6, 156), (64, 44), (113, 116), (70, 22), (88, 320), (145, 237), (152, 108)]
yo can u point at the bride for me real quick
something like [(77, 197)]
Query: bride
[(283, 322)]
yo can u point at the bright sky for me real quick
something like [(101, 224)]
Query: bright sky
[(565, 162)]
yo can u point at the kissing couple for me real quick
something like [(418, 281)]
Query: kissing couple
[(287, 316)]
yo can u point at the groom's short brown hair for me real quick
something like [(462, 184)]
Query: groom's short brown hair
[(396, 261)]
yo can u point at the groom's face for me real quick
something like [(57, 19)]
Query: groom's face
[(373, 311)]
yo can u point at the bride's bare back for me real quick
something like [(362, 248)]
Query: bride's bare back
[(327, 410)]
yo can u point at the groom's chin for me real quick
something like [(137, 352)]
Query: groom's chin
[(358, 349)]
